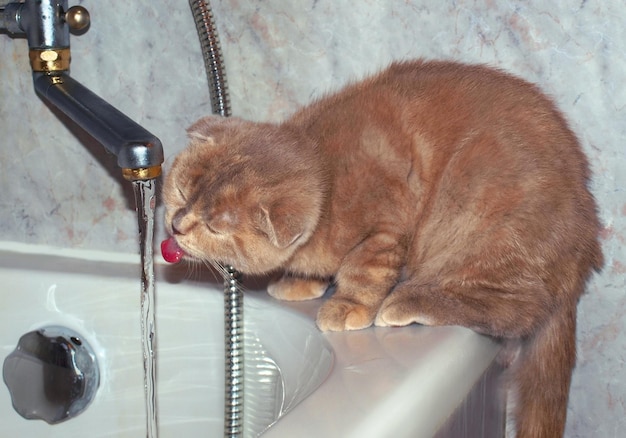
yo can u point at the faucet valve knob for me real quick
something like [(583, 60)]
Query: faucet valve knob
[(52, 375), (78, 19)]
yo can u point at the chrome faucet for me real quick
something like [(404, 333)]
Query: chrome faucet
[(46, 24)]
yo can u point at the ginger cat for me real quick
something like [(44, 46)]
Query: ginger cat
[(434, 193)]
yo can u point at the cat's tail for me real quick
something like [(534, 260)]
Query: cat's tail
[(542, 374)]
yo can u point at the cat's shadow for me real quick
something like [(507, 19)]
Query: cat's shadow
[(189, 272)]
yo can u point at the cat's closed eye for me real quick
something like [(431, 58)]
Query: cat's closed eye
[(181, 194), (211, 229)]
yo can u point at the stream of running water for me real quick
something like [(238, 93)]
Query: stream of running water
[(145, 192)]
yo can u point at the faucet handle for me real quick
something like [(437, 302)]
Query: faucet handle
[(52, 375), (78, 19), (43, 22)]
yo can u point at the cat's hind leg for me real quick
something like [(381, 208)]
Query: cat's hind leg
[(511, 311), (291, 288)]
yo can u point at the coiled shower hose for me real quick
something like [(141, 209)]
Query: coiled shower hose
[(233, 296)]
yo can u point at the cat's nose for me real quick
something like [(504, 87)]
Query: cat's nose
[(177, 222)]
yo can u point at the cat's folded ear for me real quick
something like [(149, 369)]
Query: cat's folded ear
[(207, 127), (203, 129), (283, 223)]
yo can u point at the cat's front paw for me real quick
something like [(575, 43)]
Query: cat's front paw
[(339, 314), (297, 289)]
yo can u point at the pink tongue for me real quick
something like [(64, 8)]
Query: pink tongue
[(172, 253)]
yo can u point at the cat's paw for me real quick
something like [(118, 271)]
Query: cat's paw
[(297, 289), (338, 314), (401, 311)]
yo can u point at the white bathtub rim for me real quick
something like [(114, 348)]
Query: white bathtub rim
[(354, 366), (72, 253)]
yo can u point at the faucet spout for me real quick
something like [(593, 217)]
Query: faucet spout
[(139, 153), (46, 24)]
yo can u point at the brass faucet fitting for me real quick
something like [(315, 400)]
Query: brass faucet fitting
[(142, 174), (49, 60)]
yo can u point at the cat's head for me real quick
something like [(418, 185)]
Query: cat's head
[(243, 194)]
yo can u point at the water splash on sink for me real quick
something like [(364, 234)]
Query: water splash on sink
[(145, 199)]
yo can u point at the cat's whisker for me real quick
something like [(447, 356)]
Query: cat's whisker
[(219, 267), (193, 269), (214, 267), (196, 269)]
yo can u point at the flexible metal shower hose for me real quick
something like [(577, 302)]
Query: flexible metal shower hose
[(233, 296)]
